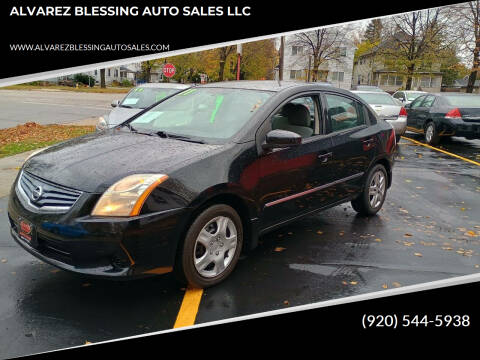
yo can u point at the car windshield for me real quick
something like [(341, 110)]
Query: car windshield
[(467, 101), (210, 113), (413, 96), (377, 99), (143, 97)]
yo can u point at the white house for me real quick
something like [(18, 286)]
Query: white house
[(338, 72)]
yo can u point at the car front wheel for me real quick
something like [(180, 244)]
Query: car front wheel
[(370, 201), (211, 248)]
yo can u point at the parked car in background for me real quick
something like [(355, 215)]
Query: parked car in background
[(137, 100), (387, 108), (445, 114), (199, 177), (407, 96), (367, 88)]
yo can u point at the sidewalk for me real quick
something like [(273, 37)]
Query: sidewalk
[(9, 167)]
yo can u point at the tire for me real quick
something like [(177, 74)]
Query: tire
[(209, 252), (431, 134), (365, 204)]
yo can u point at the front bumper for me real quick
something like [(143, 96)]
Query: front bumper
[(100, 246)]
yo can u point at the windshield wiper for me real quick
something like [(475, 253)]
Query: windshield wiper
[(186, 138), (126, 106)]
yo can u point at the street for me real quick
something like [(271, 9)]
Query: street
[(52, 107), (428, 229)]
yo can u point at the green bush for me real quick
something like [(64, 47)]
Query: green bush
[(126, 83), (84, 79)]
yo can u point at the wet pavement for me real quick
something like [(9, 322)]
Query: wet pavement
[(428, 229)]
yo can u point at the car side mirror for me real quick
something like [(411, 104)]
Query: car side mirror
[(281, 139), (115, 103)]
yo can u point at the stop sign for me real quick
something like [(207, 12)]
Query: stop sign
[(168, 70)]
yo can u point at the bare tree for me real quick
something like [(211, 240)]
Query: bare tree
[(466, 26), (413, 40), (322, 46)]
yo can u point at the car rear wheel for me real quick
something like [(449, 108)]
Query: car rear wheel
[(211, 248), (431, 135), (373, 195)]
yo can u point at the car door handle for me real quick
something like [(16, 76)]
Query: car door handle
[(368, 144), (325, 157)]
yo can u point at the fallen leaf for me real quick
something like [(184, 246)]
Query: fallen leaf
[(87, 342), (396, 284), (408, 181), (418, 254), (408, 235), (353, 282), (344, 283), (4, 260), (319, 232), (378, 240), (286, 302), (279, 248), (385, 286)]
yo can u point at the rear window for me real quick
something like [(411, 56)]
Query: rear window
[(413, 96), (378, 99), (463, 101)]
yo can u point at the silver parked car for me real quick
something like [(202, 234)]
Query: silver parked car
[(136, 100), (407, 96), (387, 108)]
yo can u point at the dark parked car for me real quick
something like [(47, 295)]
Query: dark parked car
[(445, 114), (199, 177)]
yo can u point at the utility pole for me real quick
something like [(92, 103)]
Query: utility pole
[(280, 63), (309, 66), (239, 57)]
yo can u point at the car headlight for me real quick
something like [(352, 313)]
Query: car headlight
[(102, 123), (126, 197)]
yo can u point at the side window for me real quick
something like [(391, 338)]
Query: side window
[(416, 103), (343, 113), (297, 116), (428, 102)]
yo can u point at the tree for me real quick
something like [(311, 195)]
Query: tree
[(414, 41), (322, 46), (466, 25), (147, 67), (258, 60), (102, 78), (373, 32), (223, 54)]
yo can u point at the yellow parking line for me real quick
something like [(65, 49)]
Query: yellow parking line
[(442, 151), (189, 309)]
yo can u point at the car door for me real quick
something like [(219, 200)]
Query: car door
[(423, 111), (354, 144), (412, 113), (290, 177)]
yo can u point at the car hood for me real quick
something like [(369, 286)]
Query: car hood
[(119, 115), (93, 162)]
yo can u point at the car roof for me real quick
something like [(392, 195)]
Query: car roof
[(266, 85), (413, 91), (163, 85), (454, 94), (369, 92)]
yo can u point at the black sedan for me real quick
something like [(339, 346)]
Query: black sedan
[(445, 114), (188, 183)]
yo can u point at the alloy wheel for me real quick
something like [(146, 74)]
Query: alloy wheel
[(377, 188)]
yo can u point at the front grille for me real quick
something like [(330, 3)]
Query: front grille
[(46, 196)]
